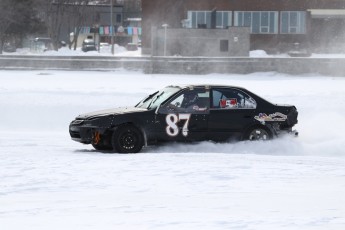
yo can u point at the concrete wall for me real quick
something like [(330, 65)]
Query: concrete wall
[(201, 42), (178, 65)]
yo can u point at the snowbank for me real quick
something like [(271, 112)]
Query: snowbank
[(65, 51), (121, 51)]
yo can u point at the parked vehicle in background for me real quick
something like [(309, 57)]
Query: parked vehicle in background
[(299, 51), (42, 44), (9, 47), (132, 47), (185, 113), (88, 45)]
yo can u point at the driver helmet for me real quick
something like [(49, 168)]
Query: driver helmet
[(190, 97)]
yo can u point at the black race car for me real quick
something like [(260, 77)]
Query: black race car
[(185, 113)]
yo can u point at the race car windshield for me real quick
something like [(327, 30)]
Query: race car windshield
[(155, 99)]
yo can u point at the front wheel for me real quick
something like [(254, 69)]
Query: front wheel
[(127, 139), (258, 133)]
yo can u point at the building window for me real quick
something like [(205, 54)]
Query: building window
[(260, 22), (199, 19), (118, 18), (202, 19), (292, 22), (223, 19)]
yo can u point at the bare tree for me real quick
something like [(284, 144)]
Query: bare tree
[(77, 14), (68, 13), (6, 18), (54, 12), (17, 18)]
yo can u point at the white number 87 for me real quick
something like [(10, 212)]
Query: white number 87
[(172, 128)]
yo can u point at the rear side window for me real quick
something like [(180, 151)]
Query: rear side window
[(231, 99)]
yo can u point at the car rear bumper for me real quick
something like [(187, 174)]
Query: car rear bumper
[(294, 133)]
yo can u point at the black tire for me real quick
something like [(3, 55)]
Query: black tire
[(127, 139), (258, 133)]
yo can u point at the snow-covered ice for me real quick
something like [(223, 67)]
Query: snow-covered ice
[(47, 181)]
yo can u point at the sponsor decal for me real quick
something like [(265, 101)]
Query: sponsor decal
[(228, 103), (263, 117)]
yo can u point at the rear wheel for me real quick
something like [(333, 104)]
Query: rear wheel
[(127, 139), (258, 133)]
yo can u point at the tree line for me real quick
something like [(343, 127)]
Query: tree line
[(19, 18)]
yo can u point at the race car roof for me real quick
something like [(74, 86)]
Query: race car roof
[(182, 86)]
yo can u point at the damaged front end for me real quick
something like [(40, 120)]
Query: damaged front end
[(90, 130)]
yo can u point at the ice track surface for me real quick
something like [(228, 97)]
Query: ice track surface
[(47, 181)]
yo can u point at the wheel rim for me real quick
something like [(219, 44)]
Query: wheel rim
[(128, 140), (258, 134)]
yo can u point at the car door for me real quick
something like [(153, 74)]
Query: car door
[(177, 120), (231, 111)]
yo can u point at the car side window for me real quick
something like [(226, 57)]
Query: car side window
[(232, 99), (190, 101)]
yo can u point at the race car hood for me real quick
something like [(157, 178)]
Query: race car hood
[(107, 112)]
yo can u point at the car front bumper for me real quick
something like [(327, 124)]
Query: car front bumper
[(80, 133)]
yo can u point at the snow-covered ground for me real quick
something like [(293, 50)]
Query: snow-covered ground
[(47, 181), (65, 51)]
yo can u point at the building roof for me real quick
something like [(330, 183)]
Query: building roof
[(327, 13)]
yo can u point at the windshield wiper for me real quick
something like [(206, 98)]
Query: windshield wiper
[(147, 98), (150, 96), (153, 101)]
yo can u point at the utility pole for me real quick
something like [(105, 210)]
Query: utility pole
[(165, 38), (112, 26)]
